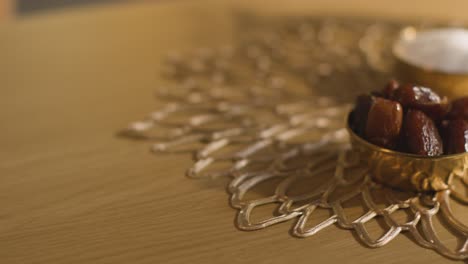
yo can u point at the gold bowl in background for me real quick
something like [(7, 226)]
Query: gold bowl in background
[(405, 171), (450, 83)]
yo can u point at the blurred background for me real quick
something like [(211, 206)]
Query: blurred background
[(452, 9), (13, 8)]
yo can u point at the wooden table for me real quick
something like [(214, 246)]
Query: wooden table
[(73, 192)]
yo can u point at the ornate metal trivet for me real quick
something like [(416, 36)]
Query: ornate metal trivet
[(269, 113)]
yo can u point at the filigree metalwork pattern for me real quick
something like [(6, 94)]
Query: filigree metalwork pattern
[(271, 108)]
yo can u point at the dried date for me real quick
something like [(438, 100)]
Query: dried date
[(421, 134), (384, 122)]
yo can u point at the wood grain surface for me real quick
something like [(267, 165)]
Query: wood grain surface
[(73, 192)]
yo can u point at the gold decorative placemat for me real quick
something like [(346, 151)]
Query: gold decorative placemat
[(268, 111)]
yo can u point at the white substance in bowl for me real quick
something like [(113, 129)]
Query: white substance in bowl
[(444, 50)]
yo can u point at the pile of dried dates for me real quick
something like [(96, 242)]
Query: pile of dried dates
[(412, 119)]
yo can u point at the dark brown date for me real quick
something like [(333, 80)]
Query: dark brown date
[(459, 109), (363, 105), (390, 89), (422, 98), (421, 134), (384, 123), (456, 136)]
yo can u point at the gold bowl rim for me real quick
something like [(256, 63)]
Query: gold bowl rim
[(397, 153), (419, 67)]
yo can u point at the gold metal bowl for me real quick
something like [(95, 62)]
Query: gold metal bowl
[(452, 83), (405, 171)]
